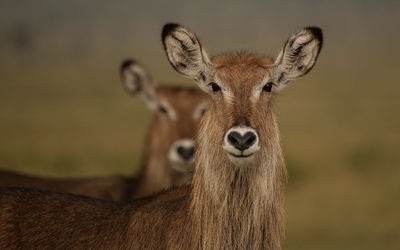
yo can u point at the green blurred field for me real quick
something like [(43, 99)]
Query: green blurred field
[(63, 113)]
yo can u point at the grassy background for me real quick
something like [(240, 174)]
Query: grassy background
[(63, 111)]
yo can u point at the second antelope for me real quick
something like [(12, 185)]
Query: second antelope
[(236, 198), (169, 146)]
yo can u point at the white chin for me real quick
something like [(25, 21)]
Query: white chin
[(241, 161)]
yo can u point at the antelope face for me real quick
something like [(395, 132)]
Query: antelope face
[(241, 86), (236, 86), (177, 112)]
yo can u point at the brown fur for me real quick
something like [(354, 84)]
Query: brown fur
[(156, 173), (227, 208), (37, 219), (245, 208), (108, 188), (228, 205)]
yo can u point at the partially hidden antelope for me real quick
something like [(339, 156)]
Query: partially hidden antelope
[(235, 200), (169, 146)]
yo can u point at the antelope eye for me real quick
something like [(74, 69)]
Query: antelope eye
[(214, 87), (267, 87), (202, 111), (163, 109)]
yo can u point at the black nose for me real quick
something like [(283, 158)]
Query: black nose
[(241, 142), (185, 152)]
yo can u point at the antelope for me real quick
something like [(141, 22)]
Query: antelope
[(169, 148), (235, 200)]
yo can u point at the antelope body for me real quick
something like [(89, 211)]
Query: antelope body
[(169, 146), (236, 197)]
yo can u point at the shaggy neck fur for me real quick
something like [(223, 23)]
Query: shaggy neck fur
[(237, 207), (156, 172)]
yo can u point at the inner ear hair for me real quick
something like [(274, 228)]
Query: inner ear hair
[(298, 56), (182, 47), (137, 82), (131, 80), (185, 53)]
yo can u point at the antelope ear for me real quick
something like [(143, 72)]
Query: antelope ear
[(138, 82), (186, 54), (297, 57)]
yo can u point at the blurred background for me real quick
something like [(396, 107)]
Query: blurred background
[(63, 111)]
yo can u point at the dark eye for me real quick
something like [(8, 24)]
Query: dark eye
[(267, 87), (163, 109), (202, 112), (214, 87)]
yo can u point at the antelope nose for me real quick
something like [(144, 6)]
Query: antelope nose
[(241, 142), (186, 152)]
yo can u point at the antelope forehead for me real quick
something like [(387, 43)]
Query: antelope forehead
[(254, 92)]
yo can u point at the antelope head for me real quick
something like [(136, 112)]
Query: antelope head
[(242, 87), (177, 112)]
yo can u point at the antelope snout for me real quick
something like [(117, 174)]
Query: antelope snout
[(241, 142), (186, 153), (181, 154)]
